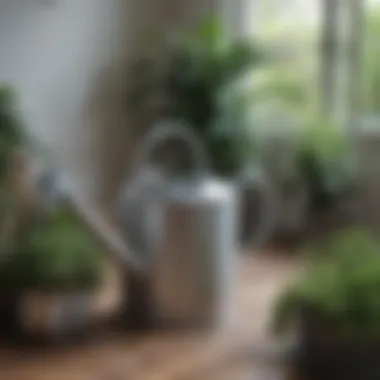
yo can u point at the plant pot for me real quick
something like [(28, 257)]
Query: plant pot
[(54, 315), (324, 355), (9, 316)]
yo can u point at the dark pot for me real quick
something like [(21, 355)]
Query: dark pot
[(138, 309), (9, 315), (324, 355)]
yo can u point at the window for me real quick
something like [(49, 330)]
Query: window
[(288, 86), (318, 56)]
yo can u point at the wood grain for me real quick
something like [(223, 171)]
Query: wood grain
[(237, 354)]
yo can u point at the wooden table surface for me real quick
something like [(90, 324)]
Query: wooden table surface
[(241, 353)]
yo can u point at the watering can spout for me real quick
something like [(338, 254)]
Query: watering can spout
[(139, 216)]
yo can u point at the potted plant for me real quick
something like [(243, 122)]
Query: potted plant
[(197, 78), (12, 203), (56, 269), (334, 308)]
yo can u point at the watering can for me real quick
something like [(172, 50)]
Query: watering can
[(185, 231)]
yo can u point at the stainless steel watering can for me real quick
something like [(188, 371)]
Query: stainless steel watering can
[(184, 231)]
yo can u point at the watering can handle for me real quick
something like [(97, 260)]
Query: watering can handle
[(169, 130), (257, 179)]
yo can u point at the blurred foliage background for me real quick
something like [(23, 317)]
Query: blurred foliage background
[(371, 64), (290, 84)]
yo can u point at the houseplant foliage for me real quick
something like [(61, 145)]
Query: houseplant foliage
[(42, 252), (193, 78), (13, 209), (341, 282), (336, 306), (56, 256), (11, 141), (325, 162), (54, 264), (11, 135)]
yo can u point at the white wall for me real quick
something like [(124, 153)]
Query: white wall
[(62, 57), (66, 59), (53, 54)]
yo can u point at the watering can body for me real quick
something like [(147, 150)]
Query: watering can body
[(186, 231), (194, 266)]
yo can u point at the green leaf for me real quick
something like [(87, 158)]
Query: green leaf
[(342, 285), (56, 255), (210, 34)]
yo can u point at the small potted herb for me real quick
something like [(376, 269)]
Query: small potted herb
[(334, 309), (58, 267)]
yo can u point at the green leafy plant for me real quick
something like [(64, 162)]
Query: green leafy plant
[(11, 135), (325, 163), (193, 79), (55, 255), (341, 286), (12, 139)]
